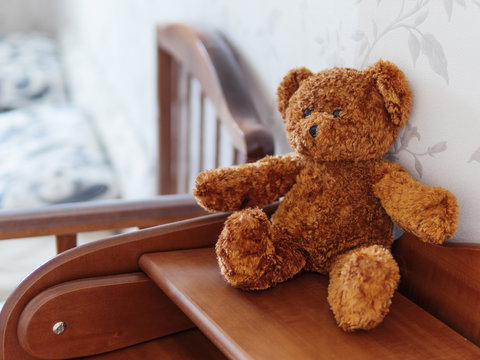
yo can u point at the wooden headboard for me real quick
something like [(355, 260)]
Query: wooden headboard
[(187, 55)]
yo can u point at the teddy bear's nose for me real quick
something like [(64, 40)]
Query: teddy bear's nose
[(313, 130)]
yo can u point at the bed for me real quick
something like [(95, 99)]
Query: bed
[(157, 292)]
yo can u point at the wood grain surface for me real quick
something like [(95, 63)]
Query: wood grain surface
[(190, 344), (293, 320), (67, 219), (100, 314), (444, 280)]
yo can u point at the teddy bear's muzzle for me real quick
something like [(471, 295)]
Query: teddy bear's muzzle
[(313, 130)]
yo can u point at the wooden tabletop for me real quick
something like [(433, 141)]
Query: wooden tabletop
[(293, 320)]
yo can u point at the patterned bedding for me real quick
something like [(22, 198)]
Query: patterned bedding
[(30, 71), (49, 151), (49, 154)]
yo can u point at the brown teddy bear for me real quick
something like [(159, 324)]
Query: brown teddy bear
[(340, 196)]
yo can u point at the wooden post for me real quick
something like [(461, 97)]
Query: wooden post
[(66, 242)]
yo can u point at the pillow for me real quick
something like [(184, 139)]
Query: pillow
[(49, 155), (30, 71)]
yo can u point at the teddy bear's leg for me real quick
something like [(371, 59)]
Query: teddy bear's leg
[(251, 253), (362, 283)]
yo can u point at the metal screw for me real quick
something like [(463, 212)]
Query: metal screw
[(59, 327)]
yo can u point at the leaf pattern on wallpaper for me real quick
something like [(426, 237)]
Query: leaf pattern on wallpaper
[(448, 5), (414, 46), (332, 42), (410, 17), (408, 133), (475, 156), (433, 50)]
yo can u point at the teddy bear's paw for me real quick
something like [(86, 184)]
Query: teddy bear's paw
[(249, 254), (440, 218), (245, 251), (362, 283), (218, 190)]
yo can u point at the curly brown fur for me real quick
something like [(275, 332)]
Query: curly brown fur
[(431, 213), (361, 132), (289, 85), (340, 196), (331, 209), (248, 185), (252, 254), (362, 283), (393, 86)]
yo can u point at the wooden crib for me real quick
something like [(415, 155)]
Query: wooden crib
[(157, 292)]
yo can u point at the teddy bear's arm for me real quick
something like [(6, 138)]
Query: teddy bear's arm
[(248, 185), (429, 212)]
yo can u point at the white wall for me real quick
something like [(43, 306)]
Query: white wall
[(434, 42), (117, 37)]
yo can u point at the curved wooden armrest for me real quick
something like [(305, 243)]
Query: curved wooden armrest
[(115, 255), (100, 215)]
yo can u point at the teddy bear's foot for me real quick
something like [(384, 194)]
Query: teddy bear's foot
[(251, 255), (362, 283)]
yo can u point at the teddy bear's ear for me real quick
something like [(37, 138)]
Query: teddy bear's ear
[(393, 86), (289, 85)]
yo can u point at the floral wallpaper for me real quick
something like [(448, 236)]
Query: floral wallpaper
[(409, 20), (410, 17), (440, 143), (433, 41)]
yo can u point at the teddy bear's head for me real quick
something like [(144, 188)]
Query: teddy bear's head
[(343, 113)]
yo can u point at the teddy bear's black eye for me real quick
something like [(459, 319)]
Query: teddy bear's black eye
[(307, 112), (336, 113)]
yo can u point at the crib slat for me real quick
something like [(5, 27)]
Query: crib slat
[(66, 242), (201, 133), (238, 157), (217, 142), (181, 147), (166, 96), (188, 137)]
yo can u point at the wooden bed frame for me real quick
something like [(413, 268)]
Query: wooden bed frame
[(157, 292)]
